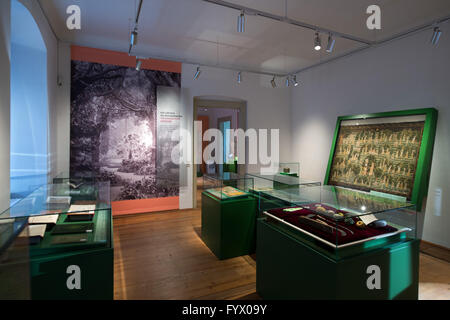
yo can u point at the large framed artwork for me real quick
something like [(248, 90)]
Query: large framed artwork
[(114, 129), (385, 152)]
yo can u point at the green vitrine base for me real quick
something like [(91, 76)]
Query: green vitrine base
[(289, 268), (53, 275), (50, 276), (228, 226)]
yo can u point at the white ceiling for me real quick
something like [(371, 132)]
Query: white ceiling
[(204, 33)]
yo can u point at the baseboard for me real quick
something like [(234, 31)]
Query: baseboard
[(435, 250)]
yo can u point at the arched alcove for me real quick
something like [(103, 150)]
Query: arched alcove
[(29, 103)]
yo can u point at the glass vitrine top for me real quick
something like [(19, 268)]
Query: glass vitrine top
[(62, 198), (69, 175), (284, 179), (224, 176), (357, 203)]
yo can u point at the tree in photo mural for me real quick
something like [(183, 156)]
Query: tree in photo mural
[(113, 127)]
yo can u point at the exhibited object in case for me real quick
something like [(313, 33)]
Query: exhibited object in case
[(289, 169), (81, 212), (87, 244), (35, 233), (228, 215), (337, 218), (227, 186), (73, 228), (388, 152)]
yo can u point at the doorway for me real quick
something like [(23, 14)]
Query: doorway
[(222, 115)]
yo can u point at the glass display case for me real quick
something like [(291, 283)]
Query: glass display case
[(227, 186), (336, 217), (274, 191), (68, 225), (228, 215), (289, 169), (76, 179), (14, 260), (62, 215)]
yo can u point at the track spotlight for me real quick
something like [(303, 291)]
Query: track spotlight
[(274, 84), (317, 42), (331, 42), (197, 73), (436, 36), (239, 77), (241, 23), (138, 64), (294, 80)]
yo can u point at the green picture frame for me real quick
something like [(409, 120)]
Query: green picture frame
[(422, 175)]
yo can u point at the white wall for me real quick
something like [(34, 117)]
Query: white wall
[(5, 51), (267, 108), (405, 74)]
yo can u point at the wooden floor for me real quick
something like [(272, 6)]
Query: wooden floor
[(161, 256)]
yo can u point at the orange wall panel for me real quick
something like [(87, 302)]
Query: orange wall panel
[(121, 59)]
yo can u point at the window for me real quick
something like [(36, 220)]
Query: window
[(29, 105)]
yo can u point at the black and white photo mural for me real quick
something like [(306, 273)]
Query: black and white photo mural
[(114, 130)]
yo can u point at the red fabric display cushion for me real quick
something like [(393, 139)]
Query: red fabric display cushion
[(335, 237)]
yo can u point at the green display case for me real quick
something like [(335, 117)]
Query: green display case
[(317, 248), (14, 260), (71, 240), (228, 215), (417, 180), (376, 180)]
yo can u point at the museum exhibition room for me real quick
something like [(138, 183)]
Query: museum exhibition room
[(241, 150)]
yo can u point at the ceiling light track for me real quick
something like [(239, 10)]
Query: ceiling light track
[(134, 33), (250, 11), (218, 66), (411, 32), (138, 13)]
